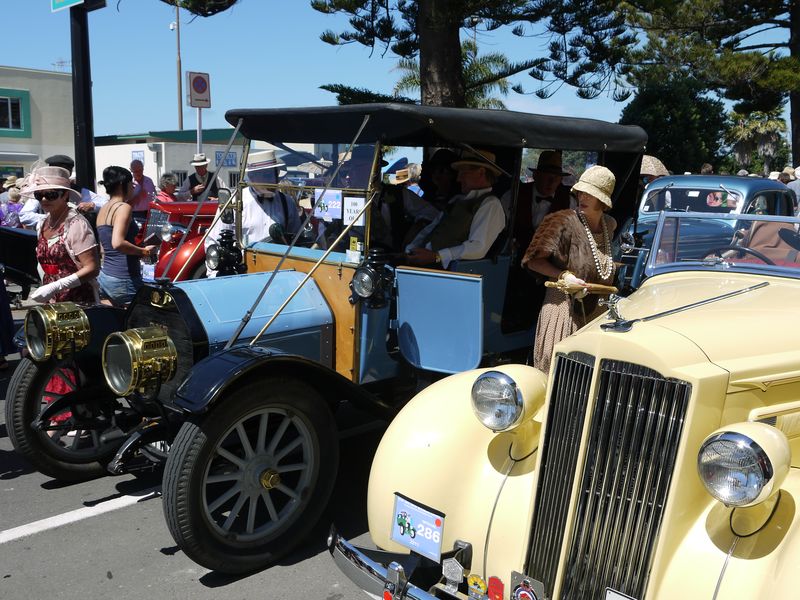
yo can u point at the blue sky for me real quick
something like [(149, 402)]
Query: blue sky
[(260, 53)]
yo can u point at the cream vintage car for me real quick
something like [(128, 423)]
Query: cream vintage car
[(659, 460)]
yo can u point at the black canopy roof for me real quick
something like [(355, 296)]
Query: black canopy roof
[(414, 125)]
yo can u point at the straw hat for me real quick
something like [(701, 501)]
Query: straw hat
[(480, 158), (790, 172), (199, 160), (402, 176), (265, 159), (49, 178), (550, 162), (652, 166), (10, 182), (597, 181), (774, 174)]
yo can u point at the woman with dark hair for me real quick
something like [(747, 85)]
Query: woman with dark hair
[(120, 276)]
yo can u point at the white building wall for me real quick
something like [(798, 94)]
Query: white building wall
[(51, 123)]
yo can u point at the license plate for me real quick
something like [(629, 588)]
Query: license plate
[(417, 527), (148, 272)]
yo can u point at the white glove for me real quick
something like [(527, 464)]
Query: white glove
[(45, 292), (573, 281)]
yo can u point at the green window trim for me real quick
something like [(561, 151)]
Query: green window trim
[(25, 111)]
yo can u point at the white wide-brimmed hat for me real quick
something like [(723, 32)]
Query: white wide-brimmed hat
[(199, 160), (48, 178), (266, 159), (597, 181), (652, 166)]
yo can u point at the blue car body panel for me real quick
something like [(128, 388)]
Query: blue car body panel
[(375, 363), (440, 319), (304, 327)]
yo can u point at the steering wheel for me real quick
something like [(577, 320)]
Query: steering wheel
[(720, 249)]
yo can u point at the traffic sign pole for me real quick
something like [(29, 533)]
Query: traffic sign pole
[(82, 98), (199, 130)]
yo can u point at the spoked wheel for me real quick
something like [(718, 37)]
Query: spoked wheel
[(66, 451), (247, 483)]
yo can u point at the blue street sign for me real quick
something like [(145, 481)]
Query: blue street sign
[(230, 159), (62, 4)]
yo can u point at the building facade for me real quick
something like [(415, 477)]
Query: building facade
[(35, 117)]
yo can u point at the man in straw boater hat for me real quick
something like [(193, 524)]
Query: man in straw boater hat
[(263, 206), (195, 184), (471, 221)]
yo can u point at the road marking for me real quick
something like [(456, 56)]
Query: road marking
[(73, 516)]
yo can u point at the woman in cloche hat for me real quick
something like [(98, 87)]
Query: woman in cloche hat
[(66, 247), (574, 247)]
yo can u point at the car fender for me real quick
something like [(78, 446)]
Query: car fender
[(761, 565), (210, 378), (438, 454), (184, 257)]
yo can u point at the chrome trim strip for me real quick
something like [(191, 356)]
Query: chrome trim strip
[(367, 574)]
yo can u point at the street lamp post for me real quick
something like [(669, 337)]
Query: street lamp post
[(176, 26)]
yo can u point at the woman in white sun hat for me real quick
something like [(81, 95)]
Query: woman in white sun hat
[(573, 246), (66, 247)]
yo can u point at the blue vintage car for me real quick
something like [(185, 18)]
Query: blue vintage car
[(236, 381), (714, 194)]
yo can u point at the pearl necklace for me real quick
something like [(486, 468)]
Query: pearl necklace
[(604, 265)]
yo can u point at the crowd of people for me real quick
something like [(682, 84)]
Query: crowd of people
[(450, 210)]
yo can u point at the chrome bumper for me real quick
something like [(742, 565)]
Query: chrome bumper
[(370, 575)]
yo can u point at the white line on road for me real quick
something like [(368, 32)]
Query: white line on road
[(73, 516)]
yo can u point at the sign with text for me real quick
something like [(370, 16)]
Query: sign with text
[(229, 161), (199, 86), (329, 206), (137, 155), (352, 206)]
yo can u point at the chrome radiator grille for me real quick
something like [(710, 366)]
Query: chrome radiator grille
[(572, 378), (633, 438), (155, 219)]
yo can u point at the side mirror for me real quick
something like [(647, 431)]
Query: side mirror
[(228, 217), (224, 194), (627, 244)]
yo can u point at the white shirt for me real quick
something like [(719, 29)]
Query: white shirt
[(486, 225), (258, 216)]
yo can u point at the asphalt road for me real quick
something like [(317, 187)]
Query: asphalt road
[(107, 538)]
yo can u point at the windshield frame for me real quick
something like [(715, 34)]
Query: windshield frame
[(652, 268)]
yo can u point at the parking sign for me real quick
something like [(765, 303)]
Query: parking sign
[(199, 86)]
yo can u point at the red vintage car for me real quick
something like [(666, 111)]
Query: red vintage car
[(167, 222)]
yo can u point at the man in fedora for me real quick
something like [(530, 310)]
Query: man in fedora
[(194, 185), (263, 206), (536, 200), (471, 221)]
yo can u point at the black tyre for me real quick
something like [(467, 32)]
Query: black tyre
[(412, 532), (243, 486), (69, 455)]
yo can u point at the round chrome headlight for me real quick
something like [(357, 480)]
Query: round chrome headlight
[(138, 359), (742, 468), (52, 329), (166, 232), (364, 282), (497, 401), (212, 257)]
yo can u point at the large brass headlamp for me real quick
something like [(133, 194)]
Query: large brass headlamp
[(138, 359), (52, 329)]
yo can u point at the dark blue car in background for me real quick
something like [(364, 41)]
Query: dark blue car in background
[(720, 194)]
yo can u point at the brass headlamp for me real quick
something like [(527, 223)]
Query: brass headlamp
[(52, 329), (138, 359)]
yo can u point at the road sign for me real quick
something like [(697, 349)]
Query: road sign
[(56, 5), (199, 86)]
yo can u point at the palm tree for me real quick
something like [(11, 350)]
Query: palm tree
[(480, 76), (757, 132)]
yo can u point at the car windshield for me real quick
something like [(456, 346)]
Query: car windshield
[(693, 199), (747, 243)]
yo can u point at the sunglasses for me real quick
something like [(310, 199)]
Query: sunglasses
[(48, 195)]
